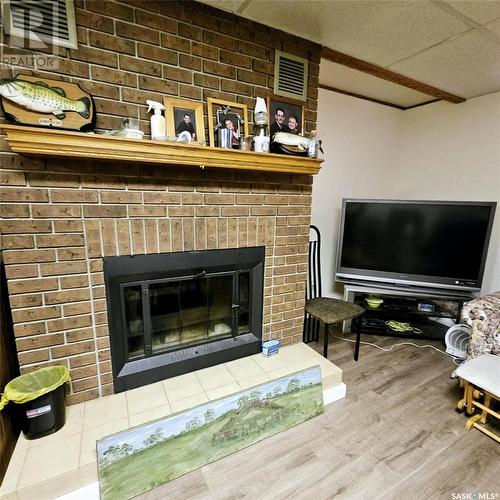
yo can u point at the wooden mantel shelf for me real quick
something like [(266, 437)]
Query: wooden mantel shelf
[(56, 143)]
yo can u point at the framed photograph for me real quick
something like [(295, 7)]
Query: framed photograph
[(227, 115), (285, 115), (184, 116)]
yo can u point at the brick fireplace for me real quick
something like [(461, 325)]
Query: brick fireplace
[(61, 217)]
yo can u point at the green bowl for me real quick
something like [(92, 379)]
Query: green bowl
[(374, 302)]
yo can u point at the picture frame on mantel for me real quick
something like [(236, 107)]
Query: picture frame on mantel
[(220, 112), (293, 112), (184, 115)]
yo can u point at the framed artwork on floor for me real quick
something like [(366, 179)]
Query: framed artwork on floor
[(141, 458)]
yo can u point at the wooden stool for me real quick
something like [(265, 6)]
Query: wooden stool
[(331, 311), (482, 379)]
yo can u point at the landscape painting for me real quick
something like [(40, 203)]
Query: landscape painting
[(144, 457)]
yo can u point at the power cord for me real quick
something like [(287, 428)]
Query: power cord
[(398, 326), (401, 344)]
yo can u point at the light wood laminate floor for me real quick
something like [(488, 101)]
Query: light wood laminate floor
[(397, 435)]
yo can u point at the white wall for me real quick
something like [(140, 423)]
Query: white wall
[(438, 151)]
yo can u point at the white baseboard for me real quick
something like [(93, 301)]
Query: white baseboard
[(89, 492), (334, 393)]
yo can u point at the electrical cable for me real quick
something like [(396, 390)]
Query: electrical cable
[(400, 344)]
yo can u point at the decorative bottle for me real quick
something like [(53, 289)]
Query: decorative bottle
[(261, 130), (312, 148)]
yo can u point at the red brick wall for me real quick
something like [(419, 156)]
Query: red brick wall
[(60, 218), (135, 50)]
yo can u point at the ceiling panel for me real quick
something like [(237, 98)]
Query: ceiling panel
[(479, 11), (437, 42), (468, 66), (364, 29), (351, 80), (494, 27), (229, 5)]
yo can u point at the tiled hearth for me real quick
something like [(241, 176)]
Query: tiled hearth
[(66, 461)]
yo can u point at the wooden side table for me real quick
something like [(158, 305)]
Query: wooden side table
[(331, 311)]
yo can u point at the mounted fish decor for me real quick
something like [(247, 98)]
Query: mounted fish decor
[(29, 100)]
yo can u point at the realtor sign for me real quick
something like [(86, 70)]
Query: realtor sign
[(33, 31)]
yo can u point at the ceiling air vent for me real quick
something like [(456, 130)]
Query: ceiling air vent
[(48, 21), (290, 76)]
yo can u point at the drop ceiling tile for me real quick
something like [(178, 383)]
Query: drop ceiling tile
[(494, 27), (409, 35), (479, 11), (379, 32), (357, 82), (311, 20), (468, 65), (229, 5)]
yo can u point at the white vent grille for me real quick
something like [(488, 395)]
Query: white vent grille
[(290, 76), (48, 21)]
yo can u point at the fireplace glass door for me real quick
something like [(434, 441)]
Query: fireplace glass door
[(174, 313), (170, 314)]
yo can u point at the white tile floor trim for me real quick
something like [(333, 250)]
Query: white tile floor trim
[(65, 462)]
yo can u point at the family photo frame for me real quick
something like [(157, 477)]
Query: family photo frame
[(184, 116), (225, 114), (285, 115)]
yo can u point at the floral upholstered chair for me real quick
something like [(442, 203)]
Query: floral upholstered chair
[(483, 316)]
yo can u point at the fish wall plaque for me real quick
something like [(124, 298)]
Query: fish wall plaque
[(42, 102)]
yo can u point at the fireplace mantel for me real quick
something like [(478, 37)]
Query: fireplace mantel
[(47, 142), (61, 219)]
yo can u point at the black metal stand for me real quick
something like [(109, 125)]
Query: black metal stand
[(313, 290), (325, 341), (355, 325)]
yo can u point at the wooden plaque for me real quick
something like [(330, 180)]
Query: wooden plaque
[(68, 120)]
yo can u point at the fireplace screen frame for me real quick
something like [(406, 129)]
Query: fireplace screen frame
[(153, 268)]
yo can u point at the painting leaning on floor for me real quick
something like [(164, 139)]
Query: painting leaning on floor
[(141, 458)]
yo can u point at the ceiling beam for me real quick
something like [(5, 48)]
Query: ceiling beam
[(359, 96), (371, 99), (385, 74)]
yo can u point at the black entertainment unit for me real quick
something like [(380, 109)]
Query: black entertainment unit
[(396, 308), (409, 305)]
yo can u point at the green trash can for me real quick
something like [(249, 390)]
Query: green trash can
[(38, 400)]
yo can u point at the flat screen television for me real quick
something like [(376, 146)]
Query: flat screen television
[(439, 244)]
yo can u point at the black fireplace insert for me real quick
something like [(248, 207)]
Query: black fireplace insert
[(174, 313)]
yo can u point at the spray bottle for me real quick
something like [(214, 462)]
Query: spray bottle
[(157, 120)]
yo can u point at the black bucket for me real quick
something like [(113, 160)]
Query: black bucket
[(42, 416)]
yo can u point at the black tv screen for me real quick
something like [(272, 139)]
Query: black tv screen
[(430, 243)]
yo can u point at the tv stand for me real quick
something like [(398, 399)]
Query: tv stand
[(402, 305), (378, 287)]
